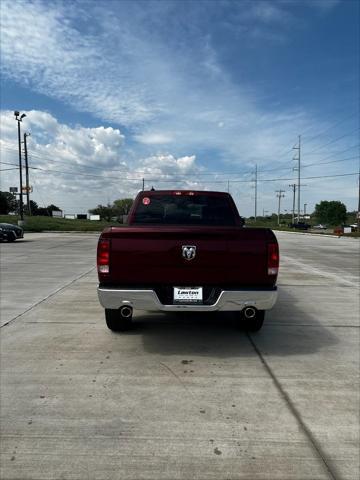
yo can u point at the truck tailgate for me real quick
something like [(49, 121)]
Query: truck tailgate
[(226, 256)]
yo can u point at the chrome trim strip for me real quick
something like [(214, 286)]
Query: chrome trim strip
[(229, 300)]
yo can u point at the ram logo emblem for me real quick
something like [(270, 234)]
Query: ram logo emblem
[(188, 252)]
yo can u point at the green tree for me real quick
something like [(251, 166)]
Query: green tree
[(123, 206), (105, 211), (42, 212), (8, 203), (332, 213), (46, 211)]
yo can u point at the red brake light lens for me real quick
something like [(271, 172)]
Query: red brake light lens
[(103, 255), (273, 259)]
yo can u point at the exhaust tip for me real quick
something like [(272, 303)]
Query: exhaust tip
[(249, 312), (126, 312)]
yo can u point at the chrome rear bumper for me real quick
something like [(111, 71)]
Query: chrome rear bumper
[(229, 300)]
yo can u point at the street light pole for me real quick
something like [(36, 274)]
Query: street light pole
[(27, 174), (19, 118)]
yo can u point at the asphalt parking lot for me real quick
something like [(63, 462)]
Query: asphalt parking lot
[(181, 396)]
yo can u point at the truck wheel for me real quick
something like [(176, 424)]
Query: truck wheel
[(115, 321), (255, 324)]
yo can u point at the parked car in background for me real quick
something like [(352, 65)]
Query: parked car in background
[(319, 227), (300, 226), (10, 232)]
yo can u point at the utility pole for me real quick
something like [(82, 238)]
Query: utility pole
[(19, 118), (293, 186), (228, 186), (27, 173), (298, 158), (256, 173), (143, 187), (305, 210), (280, 195)]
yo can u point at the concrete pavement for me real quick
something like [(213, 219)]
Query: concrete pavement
[(179, 397), (39, 265)]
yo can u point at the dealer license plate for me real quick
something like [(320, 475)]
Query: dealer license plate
[(188, 295)]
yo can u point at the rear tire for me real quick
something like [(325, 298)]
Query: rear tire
[(255, 324), (116, 322)]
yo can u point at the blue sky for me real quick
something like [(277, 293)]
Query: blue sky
[(185, 94)]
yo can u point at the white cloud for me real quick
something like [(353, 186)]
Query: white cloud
[(70, 165), (77, 167), (168, 164), (42, 48), (266, 12), (154, 138), (125, 70), (117, 66)]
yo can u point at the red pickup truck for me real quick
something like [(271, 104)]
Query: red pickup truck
[(186, 251)]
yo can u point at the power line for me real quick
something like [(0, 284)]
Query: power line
[(330, 128), (7, 163), (318, 162), (290, 179), (336, 114), (321, 133), (332, 161), (142, 172), (339, 153), (232, 173), (48, 159), (333, 141), (177, 179), (195, 173)]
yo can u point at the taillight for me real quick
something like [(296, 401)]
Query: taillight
[(103, 255), (273, 259)]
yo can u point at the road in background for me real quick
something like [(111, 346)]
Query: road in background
[(181, 396), (39, 265), (339, 256)]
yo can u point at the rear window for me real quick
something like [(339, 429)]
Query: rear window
[(185, 210)]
